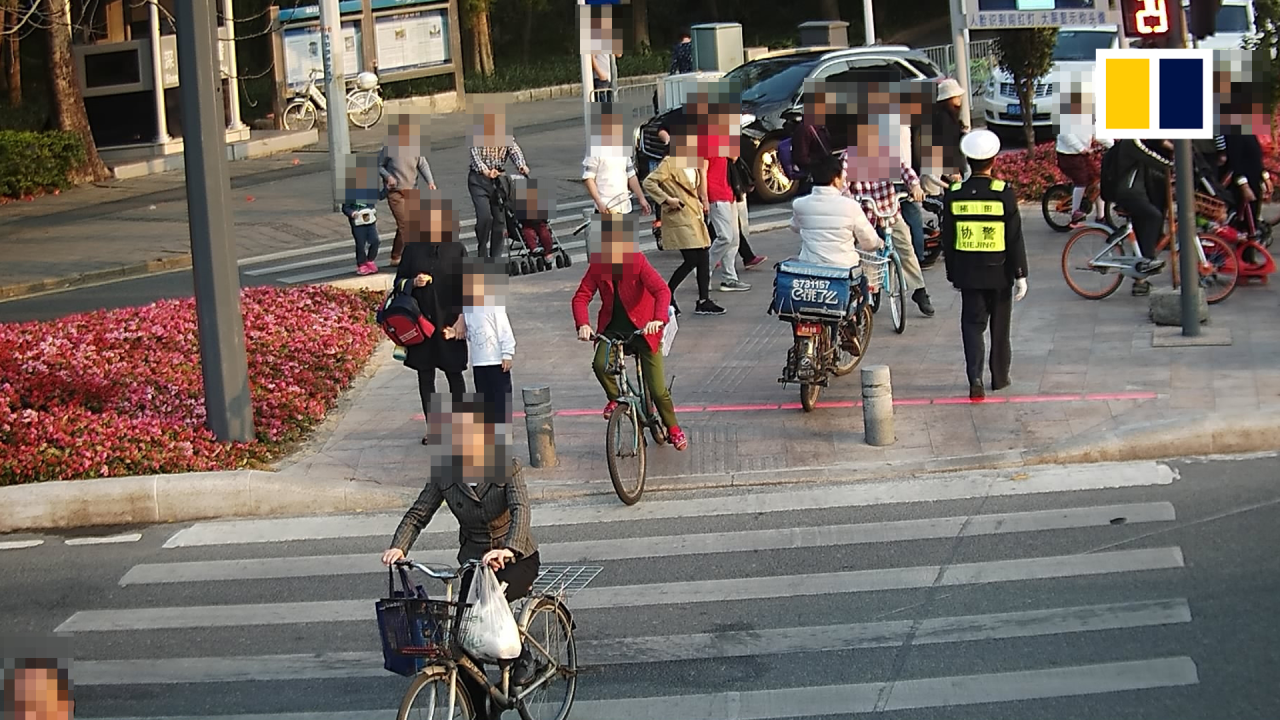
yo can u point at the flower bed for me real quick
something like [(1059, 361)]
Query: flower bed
[(119, 392)]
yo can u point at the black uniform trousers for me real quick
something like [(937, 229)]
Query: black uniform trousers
[(980, 309)]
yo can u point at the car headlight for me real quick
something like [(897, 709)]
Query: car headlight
[(746, 119), (991, 87)]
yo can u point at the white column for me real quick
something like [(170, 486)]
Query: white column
[(229, 47), (157, 72), (868, 23)]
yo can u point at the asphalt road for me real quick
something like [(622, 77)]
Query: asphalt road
[(958, 598)]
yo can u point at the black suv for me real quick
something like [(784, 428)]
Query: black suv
[(771, 99)]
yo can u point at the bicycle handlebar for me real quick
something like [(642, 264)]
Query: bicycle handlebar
[(868, 200), (448, 573), (596, 337)]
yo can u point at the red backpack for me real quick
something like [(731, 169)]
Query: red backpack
[(402, 320)]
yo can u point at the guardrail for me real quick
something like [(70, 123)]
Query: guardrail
[(982, 61)]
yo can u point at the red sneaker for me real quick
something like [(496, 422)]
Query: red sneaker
[(608, 409), (677, 438), (757, 260)]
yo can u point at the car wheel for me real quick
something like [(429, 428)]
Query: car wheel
[(772, 183)]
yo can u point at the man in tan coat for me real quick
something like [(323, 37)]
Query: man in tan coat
[(678, 183)]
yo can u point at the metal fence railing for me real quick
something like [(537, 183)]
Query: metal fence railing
[(982, 61)]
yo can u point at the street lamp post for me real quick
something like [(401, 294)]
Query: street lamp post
[(335, 94)]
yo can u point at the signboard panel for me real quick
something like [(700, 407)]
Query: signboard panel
[(303, 52), (413, 40), (1010, 14)]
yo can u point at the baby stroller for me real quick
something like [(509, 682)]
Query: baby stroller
[(520, 259)]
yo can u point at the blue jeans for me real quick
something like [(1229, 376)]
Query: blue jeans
[(915, 220), (366, 237)]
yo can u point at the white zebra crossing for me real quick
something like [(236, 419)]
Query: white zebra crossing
[(613, 648)]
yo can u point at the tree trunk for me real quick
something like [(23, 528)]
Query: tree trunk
[(12, 58), (830, 9), (526, 42), (640, 23), (1026, 89), (68, 104), (482, 44)]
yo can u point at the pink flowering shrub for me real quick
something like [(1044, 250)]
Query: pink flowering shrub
[(1030, 173), (119, 392)]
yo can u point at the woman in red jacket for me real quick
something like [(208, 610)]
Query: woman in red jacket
[(633, 296)]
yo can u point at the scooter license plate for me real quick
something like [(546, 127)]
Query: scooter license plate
[(808, 329)]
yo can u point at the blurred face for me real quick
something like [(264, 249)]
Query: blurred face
[(611, 130), (469, 435), (36, 696), (956, 101), (618, 247), (474, 289)]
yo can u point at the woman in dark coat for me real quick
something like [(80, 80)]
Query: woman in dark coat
[(432, 269)]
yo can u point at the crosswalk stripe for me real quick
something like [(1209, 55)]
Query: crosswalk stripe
[(930, 489), (670, 648), (673, 545), (860, 698), (694, 591)]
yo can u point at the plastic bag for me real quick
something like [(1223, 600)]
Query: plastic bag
[(489, 629), (669, 332)]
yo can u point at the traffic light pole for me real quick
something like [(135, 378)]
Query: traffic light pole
[(1188, 250), (960, 37), (332, 50), (223, 361)]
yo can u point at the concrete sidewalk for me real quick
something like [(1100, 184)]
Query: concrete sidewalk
[(1089, 386)]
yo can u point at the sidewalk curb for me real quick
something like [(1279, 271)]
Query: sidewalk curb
[(254, 493), (150, 267)]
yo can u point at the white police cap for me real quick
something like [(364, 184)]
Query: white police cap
[(980, 145)]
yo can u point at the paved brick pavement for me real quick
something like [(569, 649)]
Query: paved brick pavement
[(1069, 353)]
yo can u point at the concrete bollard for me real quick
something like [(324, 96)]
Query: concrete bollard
[(877, 405), (539, 426)]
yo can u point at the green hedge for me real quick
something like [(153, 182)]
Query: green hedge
[(31, 161)]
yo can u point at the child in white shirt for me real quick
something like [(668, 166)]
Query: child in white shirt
[(491, 345)]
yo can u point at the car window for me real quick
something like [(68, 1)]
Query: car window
[(865, 69), (1231, 19), (925, 67), (1079, 45), (771, 80)]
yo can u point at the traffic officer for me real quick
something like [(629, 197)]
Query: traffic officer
[(986, 259)]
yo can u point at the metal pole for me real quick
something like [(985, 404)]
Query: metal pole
[(157, 73), (960, 37), (335, 94), (586, 47), (1189, 257), (229, 47), (223, 362), (868, 23)]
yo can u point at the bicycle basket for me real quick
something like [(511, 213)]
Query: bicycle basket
[(413, 630), (873, 268), (1211, 208)]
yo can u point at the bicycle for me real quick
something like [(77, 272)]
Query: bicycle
[(624, 437), (614, 204), (427, 631), (891, 269), (364, 103), (1055, 204), (1218, 266)]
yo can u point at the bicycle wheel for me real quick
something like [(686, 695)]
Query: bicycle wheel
[(1082, 277), (1221, 269), (547, 631), (864, 330), (896, 283), (1055, 204), (300, 115), (364, 109), (428, 698), (625, 447)]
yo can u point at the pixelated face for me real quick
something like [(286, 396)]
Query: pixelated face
[(608, 130), (37, 696), (360, 178), (1241, 81), (612, 239), (532, 202), (597, 32), (431, 217), (485, 285), (489, 124)]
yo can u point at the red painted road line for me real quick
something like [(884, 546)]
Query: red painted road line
[(997, 400)]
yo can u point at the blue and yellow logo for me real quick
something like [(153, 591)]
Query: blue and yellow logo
[(1166, 94)]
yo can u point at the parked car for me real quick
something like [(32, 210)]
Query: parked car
[(1074, 57), (772, 89), (1235, 24)]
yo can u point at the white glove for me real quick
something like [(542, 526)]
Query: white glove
[(1019, 289)]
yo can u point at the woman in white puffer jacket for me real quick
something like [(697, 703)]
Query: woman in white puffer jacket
[(832, 225)]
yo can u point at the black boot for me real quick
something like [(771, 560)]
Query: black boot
[(921, 298)]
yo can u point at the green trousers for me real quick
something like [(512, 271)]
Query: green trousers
[(651, 363)]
